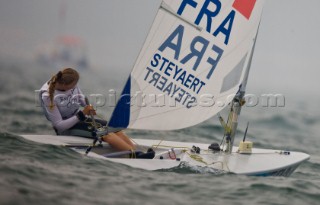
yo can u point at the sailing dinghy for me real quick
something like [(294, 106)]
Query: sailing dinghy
[(194, 63)]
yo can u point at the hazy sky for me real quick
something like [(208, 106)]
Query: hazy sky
[(286, 57)]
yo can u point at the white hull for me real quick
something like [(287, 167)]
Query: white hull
[(262, 162)]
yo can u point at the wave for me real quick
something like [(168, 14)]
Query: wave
[(186, 168), (278, 120), (16, 146)]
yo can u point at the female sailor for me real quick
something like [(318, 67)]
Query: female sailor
[(61, 99)]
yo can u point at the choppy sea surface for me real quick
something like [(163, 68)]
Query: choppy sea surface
[(32, 173)]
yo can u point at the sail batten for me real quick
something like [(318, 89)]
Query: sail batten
[(167, 8), (192, 61)]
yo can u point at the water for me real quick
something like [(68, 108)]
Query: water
[(33, 173)]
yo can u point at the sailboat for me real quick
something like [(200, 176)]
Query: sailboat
[(195, 62), (64, 50)]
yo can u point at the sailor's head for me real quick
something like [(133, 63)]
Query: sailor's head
[(64, 80)]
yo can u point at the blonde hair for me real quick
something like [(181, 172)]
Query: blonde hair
[(67, 76)]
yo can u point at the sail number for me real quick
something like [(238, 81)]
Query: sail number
[(176, 45)]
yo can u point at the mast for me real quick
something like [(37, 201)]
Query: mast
[(238, 101)]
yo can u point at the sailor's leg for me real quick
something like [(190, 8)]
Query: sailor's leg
[(80, 129), (117, 143), (125, 138)]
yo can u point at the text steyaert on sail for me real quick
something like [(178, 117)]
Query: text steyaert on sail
[(183, 75)]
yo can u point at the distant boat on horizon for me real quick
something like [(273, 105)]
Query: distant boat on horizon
[(63, 51)]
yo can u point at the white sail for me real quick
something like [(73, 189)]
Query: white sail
[(191, 64)]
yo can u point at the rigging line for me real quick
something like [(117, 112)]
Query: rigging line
[(197, 158), (96, 124), (228, 126), (101, 117), (99, 125), (276, 152), (137, 144), (168, 146), (224, 132), (75, 146), (133, 154), (160, 141)]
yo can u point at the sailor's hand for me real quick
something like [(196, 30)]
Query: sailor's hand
[(88, 110)]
